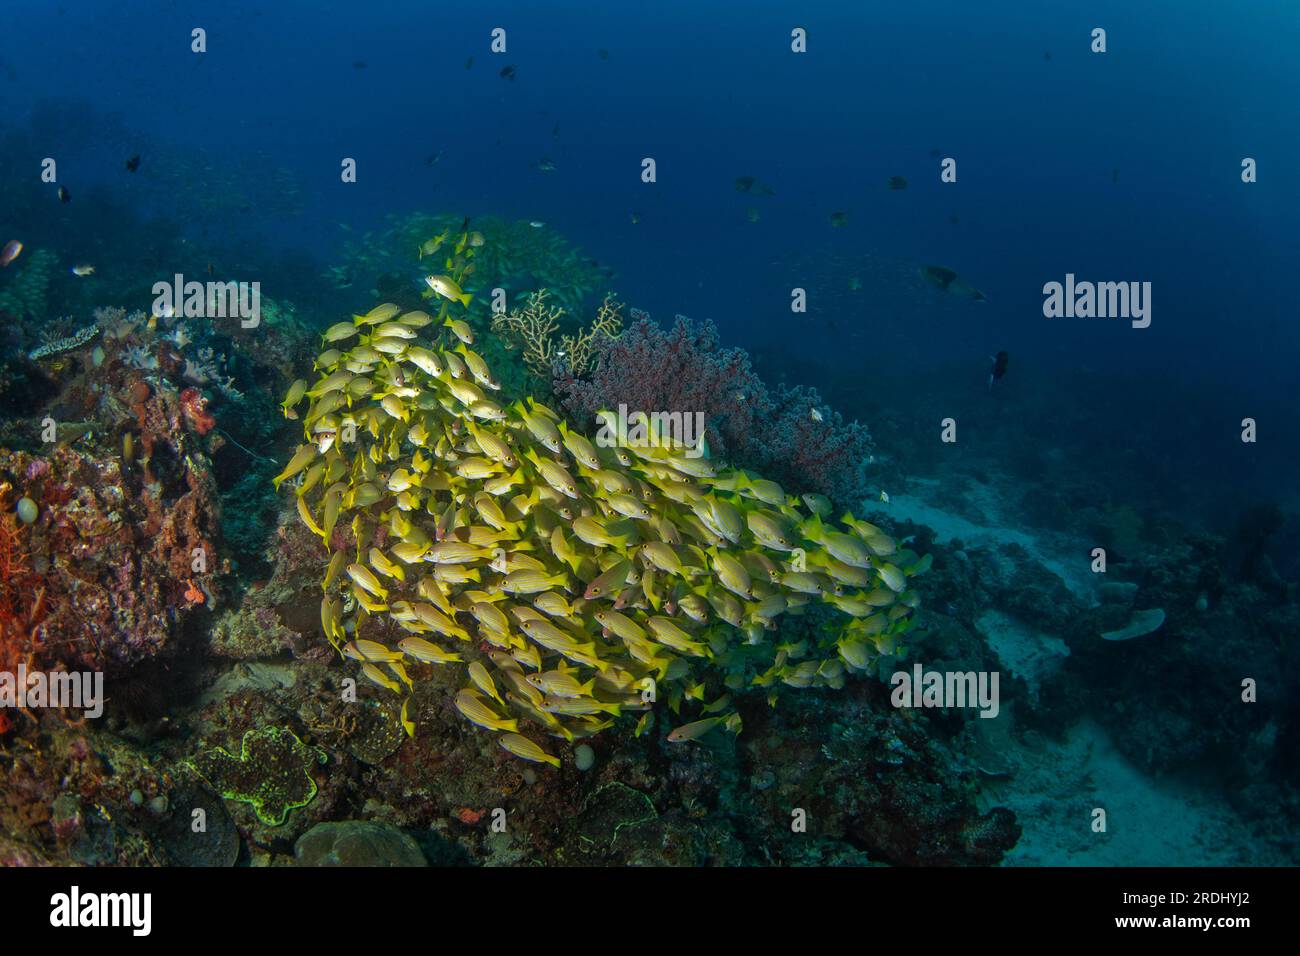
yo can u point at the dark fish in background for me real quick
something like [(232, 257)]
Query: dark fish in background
[(544, 165), (133, 163), (359, 64), (64, 195), (935, 154), (945, 280), (603, 54), (897, 182), (1114, 176), (839, 219), (507, 73), (999, 367), (953, 220), (940, 277), (1047, 55), (432, 158), (748, 184), (555, 131), (469, 63)]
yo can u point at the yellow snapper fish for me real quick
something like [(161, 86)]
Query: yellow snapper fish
[(476, 710), (525, 749), (570, 575), (447, 287)]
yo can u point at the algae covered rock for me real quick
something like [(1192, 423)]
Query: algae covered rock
[(272, 772), (357, 843)]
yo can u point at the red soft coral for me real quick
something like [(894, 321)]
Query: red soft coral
[(196, 413), (650, 369), (790, 436)]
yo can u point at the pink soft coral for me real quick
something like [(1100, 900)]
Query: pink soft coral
[(791, 436)]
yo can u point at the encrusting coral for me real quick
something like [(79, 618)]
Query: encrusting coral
[(578, 582)]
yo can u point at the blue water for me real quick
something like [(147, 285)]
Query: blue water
[(1122, 166), (1182, 94)]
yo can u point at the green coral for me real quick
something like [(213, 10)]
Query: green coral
[(610, 809), (272, 772), (515, 256)]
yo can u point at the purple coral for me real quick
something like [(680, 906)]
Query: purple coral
[(812, 446), (791, 436), (651, 369)]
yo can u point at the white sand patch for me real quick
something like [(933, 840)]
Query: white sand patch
[(1149, 822), (987, 521), (1026, 651)]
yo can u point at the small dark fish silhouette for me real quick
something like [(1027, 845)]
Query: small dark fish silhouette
[(744, 184), (1114, 176), (469, 63), (133, 163), (432, 158), (897, 182), (603, 54), (1047, 55), (64, 195), (507, 73), (945, 280), (938, 276), (999, 367), (359, 64)]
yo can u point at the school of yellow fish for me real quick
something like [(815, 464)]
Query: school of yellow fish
[(572, 583)]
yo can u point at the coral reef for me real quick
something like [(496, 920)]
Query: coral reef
[(272, 772), (533, 328), (684, 369), (684, 568), (65, 344), (357, 843), (112, 551), (791, 435), (155, 422)]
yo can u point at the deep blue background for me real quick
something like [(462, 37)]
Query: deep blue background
[(711, 91)]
